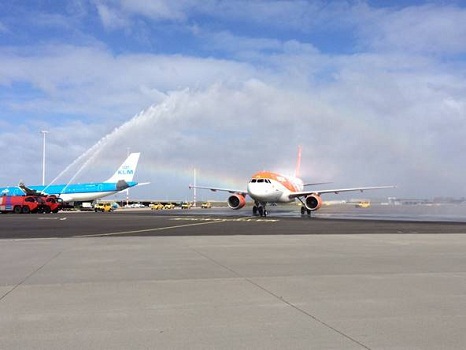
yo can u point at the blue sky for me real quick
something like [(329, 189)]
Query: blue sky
[(374, 91)]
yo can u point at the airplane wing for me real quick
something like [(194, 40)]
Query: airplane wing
[(316, 183), (215, 189), (336, 191)]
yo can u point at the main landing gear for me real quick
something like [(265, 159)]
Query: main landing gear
[(259, 209), (304, 210)]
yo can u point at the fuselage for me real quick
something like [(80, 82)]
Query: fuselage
[(269, 187), (73, 192)]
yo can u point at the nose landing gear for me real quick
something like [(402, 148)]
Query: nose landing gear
[(259, 209)]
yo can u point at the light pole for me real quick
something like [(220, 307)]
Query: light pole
[(44, 132), (127, 190), (195, 189)]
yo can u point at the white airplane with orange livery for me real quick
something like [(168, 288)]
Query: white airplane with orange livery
[(266, 187)]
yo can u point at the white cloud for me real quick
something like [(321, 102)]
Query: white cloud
[(430, 29), (302, 16), (392, 114), (89, 80), (111, 18), (234, 131), (370, 115), (160, 9)]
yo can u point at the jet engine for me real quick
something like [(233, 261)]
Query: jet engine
[(236, 201), (313, 202)]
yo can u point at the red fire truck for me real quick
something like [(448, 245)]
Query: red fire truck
[(52, 204), (30, 204), (21, 204)]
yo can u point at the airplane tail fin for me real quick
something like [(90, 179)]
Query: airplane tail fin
[(127, 170), (298, 164)]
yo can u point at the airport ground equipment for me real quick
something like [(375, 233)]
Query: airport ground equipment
[(363, 204), (21, 204), (52, 203), (169, 206), (156, 206), (103, 207), (186, 205), (30, 204)]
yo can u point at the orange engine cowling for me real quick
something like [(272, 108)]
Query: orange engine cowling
[(236, 201), (313, 202)]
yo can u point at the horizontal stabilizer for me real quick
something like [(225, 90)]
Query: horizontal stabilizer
[(121, 185)]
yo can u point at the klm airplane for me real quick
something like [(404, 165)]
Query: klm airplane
[(121, 180)]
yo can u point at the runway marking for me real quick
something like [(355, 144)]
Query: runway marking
[(244, 219), (52, 218), (197, 222), (147, 229)]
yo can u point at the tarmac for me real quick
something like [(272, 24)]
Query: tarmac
[(211, 280)]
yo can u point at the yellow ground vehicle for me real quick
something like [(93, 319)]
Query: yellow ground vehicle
[(169, 206), (206, 205), (103, 207), (363, 204), (156, 206), (186, 205)]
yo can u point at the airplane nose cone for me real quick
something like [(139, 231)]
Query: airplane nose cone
[(263, 192)]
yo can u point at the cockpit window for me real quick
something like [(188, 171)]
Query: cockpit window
[(261, 181)]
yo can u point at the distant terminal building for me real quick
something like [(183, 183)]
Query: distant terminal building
[(407, 201), (415, 201), (449, 200)]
